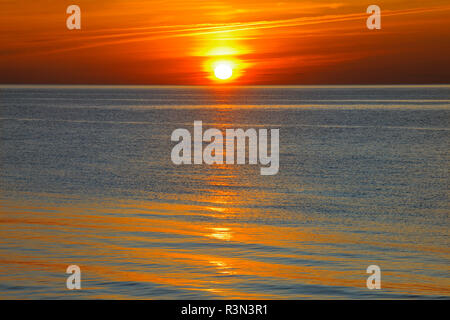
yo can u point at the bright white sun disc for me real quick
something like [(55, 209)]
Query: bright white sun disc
[(223, 71)]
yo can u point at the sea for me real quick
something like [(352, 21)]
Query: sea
[(86, 179)]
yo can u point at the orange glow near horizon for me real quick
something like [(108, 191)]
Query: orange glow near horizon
[(221, 64), (266, 42)]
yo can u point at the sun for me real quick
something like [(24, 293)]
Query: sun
[(223, 71)]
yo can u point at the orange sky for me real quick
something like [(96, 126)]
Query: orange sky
[(268, 42)]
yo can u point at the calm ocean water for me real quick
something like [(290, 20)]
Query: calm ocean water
[(86, 178)]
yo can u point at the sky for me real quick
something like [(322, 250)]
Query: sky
[(174, 42)]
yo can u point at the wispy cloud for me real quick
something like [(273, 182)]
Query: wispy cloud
[(118, 36)]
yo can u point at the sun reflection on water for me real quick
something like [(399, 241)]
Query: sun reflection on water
[(221, 234), (222, 267)]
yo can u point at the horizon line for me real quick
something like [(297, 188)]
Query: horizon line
[(222, 85)]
